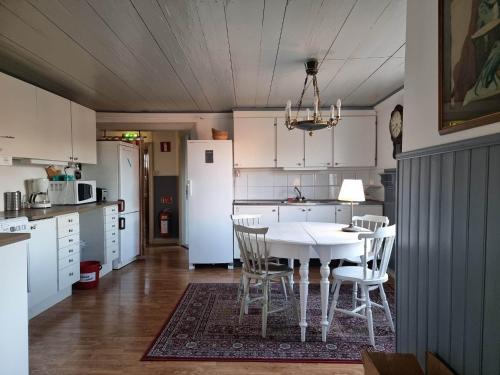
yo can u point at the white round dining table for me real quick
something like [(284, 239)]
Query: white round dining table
[(306, 240)]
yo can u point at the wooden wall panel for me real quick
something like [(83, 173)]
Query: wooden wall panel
[(448, 254)]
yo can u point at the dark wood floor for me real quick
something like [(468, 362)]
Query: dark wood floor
[(106, 330)]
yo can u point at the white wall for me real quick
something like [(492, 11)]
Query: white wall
[(421, 81), (12, 178), (384, 142)]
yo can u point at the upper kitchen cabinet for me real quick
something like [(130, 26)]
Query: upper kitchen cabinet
[(53, 131), (83, 134), (254, 142), (289, 147), (354, 142), (318, 148), (17, 116)]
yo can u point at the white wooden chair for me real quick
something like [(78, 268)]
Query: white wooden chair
[(255, 256), (380, 243), (252, 220), (372, 223)]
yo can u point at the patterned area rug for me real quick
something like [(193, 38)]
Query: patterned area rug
[(204, 326)]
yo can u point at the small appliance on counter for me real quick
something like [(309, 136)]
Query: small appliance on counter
[(102, 194), (72, 192), (38, 193), (12, 200)]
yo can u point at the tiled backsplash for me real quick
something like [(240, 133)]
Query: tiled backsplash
[(276, 184)]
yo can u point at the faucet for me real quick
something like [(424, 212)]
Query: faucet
[(299, 196)]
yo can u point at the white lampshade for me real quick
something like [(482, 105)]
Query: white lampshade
[(352, 191)]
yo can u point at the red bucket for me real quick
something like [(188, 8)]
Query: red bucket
[(89, 275)]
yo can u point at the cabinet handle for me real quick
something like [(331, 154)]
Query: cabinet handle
[(70, 220), (70, 260), (71, 158), (328, 163), (309, 209), (299, 163), (75, 158), (336, 163), (7, 136), (273, 211), (70, 231), (303, 210), (70, 240), (70, 274), (70, 251), (236, 164)]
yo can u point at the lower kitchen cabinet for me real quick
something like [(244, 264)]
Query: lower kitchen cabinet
[(293, 213), (342, 214), (321, 213), (42, 264), (269, 216), (68, 241), (14, 357)]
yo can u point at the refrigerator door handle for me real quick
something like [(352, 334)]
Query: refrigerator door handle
[(121, 223), (189, 189), (121, 205)]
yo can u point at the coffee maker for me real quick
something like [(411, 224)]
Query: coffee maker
[(38, 193)]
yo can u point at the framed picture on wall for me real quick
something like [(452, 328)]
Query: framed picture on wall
[(469, 64)]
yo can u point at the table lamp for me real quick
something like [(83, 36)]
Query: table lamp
[(351, 191)]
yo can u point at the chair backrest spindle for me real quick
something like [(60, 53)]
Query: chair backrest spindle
[(381, 242)]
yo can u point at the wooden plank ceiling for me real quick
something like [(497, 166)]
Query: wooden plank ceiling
[(203, 55)]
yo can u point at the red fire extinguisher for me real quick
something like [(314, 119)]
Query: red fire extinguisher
[(164, 218)]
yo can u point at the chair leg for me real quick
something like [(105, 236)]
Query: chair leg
[(240, 289), (265, 303), (244, 300), (363, 297), (354, 295), (333, 306), (283, 286), (386, 307), (369, 316)]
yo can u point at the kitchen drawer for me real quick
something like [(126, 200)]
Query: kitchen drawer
[(69, 275), (69, 261), (69, 250), (111, 210), (111, 241), (68, 230), (111, 218), (69, 240), (66, 220), (111, 226), (112, 252)]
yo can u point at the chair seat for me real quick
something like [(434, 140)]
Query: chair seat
[(354, 273), (273, 267)]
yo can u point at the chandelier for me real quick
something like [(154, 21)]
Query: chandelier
[(316, 122)]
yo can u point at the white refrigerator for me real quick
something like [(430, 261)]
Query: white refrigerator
[(209, 199), (118, 171)]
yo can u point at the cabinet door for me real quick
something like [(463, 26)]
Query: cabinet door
[(363, 209), (325, 214), (254, 143), (342, 214), (53, 131), (318, 149), (293, 213), (14, 357), (42, 261), (83, 134), (290, 147), (269, 216), (18, 126), (354, 142)]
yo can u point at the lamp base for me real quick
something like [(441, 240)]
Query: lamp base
[(352, 229)]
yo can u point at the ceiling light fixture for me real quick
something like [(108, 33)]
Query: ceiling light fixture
[(316, 122)]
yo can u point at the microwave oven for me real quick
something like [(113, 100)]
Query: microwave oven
[(72, 192)]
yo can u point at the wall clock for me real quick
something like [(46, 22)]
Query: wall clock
[(396, 129)]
